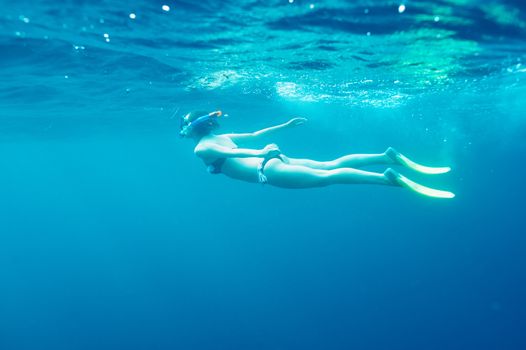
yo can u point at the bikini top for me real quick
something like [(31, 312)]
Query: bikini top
[(216, 165)]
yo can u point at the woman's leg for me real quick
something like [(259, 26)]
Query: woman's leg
[(298, 176), (390, 156), (347, 161)]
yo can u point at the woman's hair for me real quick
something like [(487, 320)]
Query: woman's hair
[(202, 129)]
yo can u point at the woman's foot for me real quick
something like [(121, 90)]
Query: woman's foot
[(393, 177), (393, 155), (400, 159), (397, 179)]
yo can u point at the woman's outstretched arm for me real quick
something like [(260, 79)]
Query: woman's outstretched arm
[(256, 135)]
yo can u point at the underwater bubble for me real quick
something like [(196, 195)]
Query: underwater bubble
[(401, 8), (366, 11), (311, 6), (166, 8), (106, 35), (66, 76), (107, 40), (368, 33), (287, 89), (436, 19), (133, 16), (291, 1), (219, 79), (23, 19)]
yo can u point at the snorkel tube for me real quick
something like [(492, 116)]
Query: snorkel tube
[(203, 121)]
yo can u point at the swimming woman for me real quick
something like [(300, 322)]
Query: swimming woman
[(221, 154)]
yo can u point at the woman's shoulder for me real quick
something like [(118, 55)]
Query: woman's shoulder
[(222, 140), (209, 143)]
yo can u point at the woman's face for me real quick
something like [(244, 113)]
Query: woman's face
[(186, 130), (185, 126)]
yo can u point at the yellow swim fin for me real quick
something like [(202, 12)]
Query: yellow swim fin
[(399, 158), (403, 181)]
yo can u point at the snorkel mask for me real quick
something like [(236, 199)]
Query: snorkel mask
[(204, 121)]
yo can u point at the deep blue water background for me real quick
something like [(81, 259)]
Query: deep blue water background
[(112, 234)]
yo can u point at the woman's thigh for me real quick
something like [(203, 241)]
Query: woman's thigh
[(309, 163), (291, 175)]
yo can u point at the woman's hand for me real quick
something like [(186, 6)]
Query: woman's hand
[(296, 122), (271, 150)]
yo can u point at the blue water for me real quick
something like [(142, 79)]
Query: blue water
[(114, 236)]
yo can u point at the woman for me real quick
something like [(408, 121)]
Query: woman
[(268, 165)]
